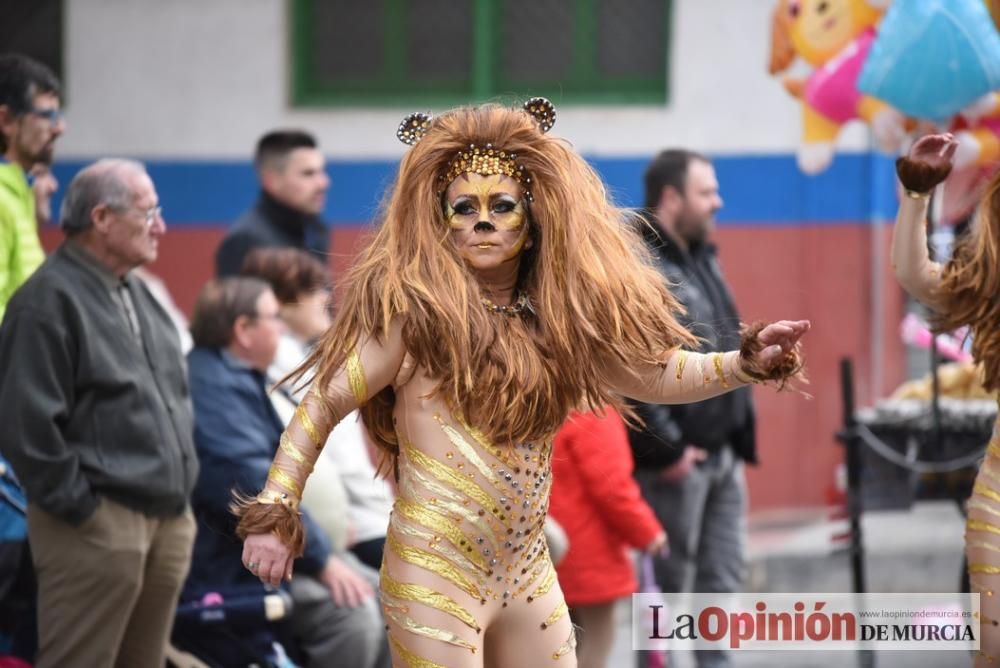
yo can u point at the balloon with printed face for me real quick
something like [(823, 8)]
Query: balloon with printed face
[(833, 37), (933, 58)]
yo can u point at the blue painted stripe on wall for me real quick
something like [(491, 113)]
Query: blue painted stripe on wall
[(764, 190)]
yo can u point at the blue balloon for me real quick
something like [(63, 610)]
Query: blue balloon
[(933, 58)]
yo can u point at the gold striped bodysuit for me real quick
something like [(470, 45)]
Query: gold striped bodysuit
[(466, 578), (982, 548)]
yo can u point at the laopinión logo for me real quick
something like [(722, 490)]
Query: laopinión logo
[(774, 621)]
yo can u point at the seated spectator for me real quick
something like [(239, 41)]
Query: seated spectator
[(599, 506), (236, 327), (302, 285)]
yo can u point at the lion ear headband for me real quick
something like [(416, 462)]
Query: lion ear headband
[(485, 160)]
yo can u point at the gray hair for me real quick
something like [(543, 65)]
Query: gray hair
[(102, 182)]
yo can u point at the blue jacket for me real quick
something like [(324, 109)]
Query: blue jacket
[(236, 435)]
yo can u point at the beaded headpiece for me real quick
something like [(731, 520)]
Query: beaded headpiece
[(484, 160)]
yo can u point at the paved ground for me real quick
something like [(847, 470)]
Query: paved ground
[(916, 551)]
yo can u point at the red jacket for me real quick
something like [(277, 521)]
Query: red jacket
[(598, 503)]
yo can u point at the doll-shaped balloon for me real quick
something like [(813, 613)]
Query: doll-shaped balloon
[(979, 139), (834, 36)]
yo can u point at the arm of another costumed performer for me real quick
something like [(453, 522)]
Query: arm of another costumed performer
[(369, 367), (768, 353), (927, 164)]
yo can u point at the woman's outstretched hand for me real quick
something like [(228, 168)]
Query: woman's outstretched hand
[(268, 558), (935, 151), (779, 338), (928, 163)]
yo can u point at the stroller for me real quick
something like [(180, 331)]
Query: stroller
[(232, 627), (18, 632)]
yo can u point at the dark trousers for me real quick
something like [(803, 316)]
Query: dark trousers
[(704, 516)]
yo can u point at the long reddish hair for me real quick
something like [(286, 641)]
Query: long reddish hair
[(596, 299), (970, 291)]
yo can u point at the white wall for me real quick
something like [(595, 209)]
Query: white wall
[(204, 78)]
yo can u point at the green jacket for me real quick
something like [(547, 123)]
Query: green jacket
[(20, 250)]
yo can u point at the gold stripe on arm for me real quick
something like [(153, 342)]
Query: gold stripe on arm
[(719, 372), (427, 596), (980, 505), (994, 448), (556, 615), (738, 373), (682, 358), (281, 478), (411, 659), (984, 569), (705, 378), (979, 525), (433, 563), (989, 473), (302, 415), (289, 448), (356, 377), (983, 490), (983, 545)]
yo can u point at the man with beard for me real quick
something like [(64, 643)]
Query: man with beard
[(30, 123), (293, 185), (696, 484)]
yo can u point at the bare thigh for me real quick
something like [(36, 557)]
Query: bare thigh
[(533, 634)]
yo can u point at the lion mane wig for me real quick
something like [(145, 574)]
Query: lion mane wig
[(971, 285), (596, 300)]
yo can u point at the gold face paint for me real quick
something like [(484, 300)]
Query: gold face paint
[(496, 200)]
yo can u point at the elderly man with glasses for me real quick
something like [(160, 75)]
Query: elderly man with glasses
[(99, 429), (30, 123)]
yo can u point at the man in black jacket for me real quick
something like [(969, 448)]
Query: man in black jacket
[(689, 458), (293, 186), (98, 428)]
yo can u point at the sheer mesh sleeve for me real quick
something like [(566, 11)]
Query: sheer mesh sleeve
[(367, 370), (685, 377)]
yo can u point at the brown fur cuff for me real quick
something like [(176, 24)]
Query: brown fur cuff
[(788, 367), (919, 176), (284, 522)]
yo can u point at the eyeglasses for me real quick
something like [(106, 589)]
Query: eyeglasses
[(273, 317), (150, 215), (53, 116)]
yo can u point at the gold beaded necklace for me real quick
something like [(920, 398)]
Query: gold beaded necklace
[(519, 306)]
